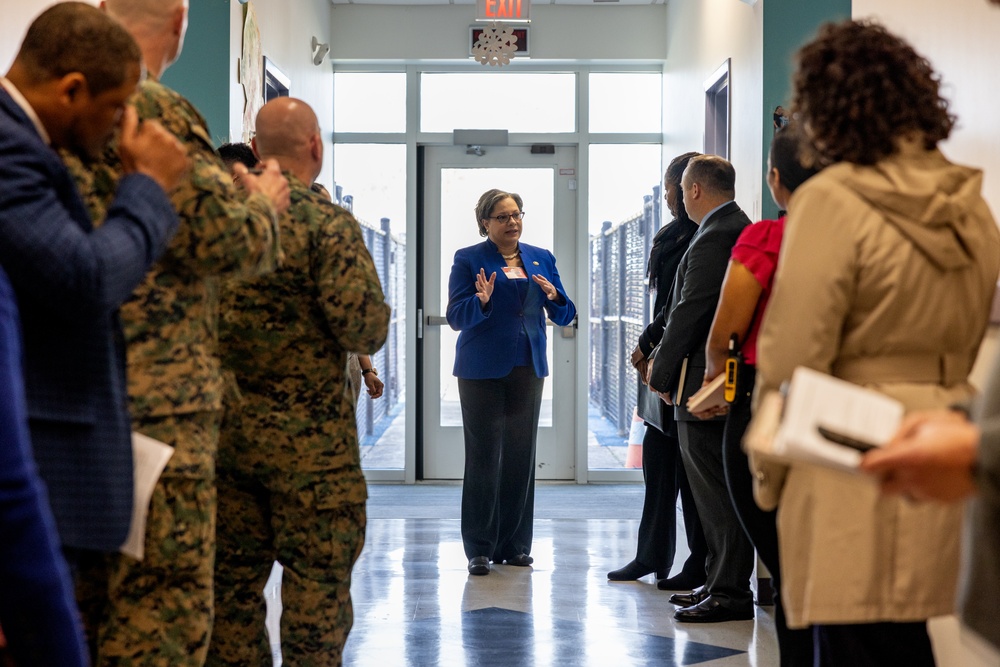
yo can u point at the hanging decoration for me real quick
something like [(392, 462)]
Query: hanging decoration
[(496, 45)]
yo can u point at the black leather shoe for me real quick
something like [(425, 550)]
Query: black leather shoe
[(634, 570), (479, 565), (520, 560), (689, 599), (682, 582), (711, 610)]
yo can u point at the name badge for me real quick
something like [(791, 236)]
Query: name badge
[(514, 273)]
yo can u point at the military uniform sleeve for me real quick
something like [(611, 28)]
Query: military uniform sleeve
[(224, 231), (348, 288)]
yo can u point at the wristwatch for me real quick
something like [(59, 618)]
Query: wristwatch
[(372, 370)]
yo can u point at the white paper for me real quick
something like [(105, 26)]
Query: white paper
[(149, 458), (816, 399), (272, 618)]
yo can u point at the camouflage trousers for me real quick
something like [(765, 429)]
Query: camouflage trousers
[(158, 611), (304, 521)]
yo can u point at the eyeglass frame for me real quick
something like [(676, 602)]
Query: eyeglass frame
[(517, 217)]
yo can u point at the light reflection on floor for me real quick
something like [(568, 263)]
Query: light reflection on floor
[(416, 605)]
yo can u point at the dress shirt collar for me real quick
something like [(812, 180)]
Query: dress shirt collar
[(26, 107), (715, 210)]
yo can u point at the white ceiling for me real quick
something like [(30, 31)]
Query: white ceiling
[(415, 3)]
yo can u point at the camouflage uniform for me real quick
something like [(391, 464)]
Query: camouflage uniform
[(159, 611), (290, 482)]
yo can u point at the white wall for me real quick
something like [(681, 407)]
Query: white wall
[(701, 35), (558, 32), (17, 16), (286, 31)]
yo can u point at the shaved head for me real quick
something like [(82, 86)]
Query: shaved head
[(131, 12), (285, 127)]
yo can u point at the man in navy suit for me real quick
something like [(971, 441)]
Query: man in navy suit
[(67, 88), (677, 371)]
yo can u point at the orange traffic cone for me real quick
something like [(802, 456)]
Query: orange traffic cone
[(633, 459)]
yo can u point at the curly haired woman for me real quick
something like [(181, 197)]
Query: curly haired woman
[(887, 270)]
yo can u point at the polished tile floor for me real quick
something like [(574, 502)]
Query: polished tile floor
[(416, 605)]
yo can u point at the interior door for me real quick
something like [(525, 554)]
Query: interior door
[(455, 177)]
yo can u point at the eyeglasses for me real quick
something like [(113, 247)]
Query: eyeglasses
[(504, 218)]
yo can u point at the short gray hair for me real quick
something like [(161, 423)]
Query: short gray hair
[(488, 200)]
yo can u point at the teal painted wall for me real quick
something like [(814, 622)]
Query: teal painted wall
[(201, 74), (788, 24)]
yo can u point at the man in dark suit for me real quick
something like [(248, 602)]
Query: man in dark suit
[(677, 371), (67, 88)]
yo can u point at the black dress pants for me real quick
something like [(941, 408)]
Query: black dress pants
[(795, 646), (663, 473), (729, 564), (874, 645), (500, 417)]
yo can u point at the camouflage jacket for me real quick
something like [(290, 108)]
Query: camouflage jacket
[(171, 321), (286, 336)]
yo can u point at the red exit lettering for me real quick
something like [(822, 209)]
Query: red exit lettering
[(503, 9)]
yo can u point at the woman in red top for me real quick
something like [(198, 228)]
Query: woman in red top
[(745, 292)]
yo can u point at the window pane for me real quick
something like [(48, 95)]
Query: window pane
[(626, 102), (517, 102), (369, 102), (371, 179), (624, 215)]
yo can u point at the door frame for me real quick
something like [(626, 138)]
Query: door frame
[(558, 442)]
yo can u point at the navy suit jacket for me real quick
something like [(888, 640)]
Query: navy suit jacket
[(70, 279), (688, 314), (486, 346), (37, 608)]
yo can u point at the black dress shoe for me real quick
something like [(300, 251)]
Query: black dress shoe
[(479, 565), (634, 570), (711, 610), (520, 560), (689, 599), (682, 582)]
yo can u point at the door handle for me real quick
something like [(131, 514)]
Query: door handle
[(436, 321)]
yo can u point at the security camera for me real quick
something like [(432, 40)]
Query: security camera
[(319, 51)]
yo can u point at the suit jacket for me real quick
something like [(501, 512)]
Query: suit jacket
[(676, 237), (70, 280), (688, 315), (37, 609), (980, 574), (486, 346)]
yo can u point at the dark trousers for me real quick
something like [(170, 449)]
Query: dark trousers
[(873, 645), (796, 646), (729, 564), (498, 493), (663, 473)]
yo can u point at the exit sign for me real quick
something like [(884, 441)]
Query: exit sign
[(503, 10)]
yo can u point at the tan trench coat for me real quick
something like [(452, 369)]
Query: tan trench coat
[(885, 279)]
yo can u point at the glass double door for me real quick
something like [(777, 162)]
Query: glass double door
[(455, 177)]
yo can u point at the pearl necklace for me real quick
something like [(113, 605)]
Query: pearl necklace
[(513, 255)]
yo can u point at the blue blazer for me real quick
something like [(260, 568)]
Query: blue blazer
[(37, 609), (486, 346), (70, 279)]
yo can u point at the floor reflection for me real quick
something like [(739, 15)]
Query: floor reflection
[(416, 605)]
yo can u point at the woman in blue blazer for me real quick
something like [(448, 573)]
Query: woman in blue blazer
[(499, 294)]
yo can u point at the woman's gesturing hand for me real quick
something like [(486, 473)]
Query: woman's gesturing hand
[(550, 291), (484, 287)]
